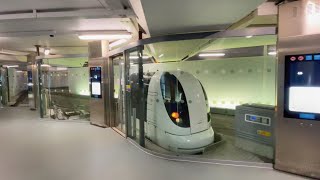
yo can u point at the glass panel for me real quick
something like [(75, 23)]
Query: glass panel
[(174, 100), (213, 98), (119, 95), (135, 95), (66, 89)]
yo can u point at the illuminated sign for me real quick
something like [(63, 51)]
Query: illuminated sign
[(95, 82)]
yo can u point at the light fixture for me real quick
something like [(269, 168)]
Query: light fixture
[(272, 53), (11, 66), (104, 36), (212, 54), (137, 57), (45, 65), (249, 36), (46, 51), (117, 43), (161, 55)]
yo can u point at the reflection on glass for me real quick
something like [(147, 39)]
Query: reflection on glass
[(118, 93), (66, 89), (200, 104)]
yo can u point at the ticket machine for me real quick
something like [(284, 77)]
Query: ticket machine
[(298, 105)]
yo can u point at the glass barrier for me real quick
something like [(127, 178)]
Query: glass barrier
[(210, 98), (65, 89), (118, 93)]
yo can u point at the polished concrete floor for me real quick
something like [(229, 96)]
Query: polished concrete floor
[(34, 149)]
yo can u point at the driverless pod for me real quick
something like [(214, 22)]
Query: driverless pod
[(178, 116)]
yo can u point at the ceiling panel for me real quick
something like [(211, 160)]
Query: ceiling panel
[(61, 25), (23, 42), (65, 32), (19, 5), (181, 16)]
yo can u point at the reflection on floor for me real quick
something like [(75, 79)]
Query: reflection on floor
[(224, 150)]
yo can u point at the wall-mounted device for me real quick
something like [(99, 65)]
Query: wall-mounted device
[(302, 86), (298, 105), (95, 82)]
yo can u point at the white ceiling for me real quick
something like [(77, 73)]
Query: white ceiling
[(64, 28), (62, 25), (183, 16), (158, 17), (20, 5)]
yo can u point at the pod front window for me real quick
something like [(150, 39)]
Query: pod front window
[(175, 100)]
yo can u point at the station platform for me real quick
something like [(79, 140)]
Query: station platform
[(38, 149)]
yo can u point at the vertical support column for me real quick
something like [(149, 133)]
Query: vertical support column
[(298, 125), (142, 106), (39, 89), (32, 81), (5, 86), (127, 114), (97, 62), (1, 106), (1, 87)]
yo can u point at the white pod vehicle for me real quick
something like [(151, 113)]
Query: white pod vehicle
[(178, 116)]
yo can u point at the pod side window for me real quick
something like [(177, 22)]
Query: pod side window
[(175, 100)]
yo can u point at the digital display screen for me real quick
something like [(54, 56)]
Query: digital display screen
[(96, 88), (30, 85), (302, 86), (300, 99), (95, 82)]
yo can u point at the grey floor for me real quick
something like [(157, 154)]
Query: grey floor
[(34, 149)]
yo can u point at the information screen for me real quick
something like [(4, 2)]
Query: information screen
[(95, 82), (30, 84), (302, 86)]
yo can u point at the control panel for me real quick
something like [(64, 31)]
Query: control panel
[(95, 82), (302, 86), (258, 119)]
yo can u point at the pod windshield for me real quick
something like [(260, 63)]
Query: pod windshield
[(175, 100)]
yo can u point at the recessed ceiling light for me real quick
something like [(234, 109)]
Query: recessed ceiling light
[(212, 54)]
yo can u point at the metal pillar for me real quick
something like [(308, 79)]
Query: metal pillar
[(297, 137)]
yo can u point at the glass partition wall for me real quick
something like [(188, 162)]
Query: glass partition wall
[(119, 93), (65, 89), (208, 98)]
